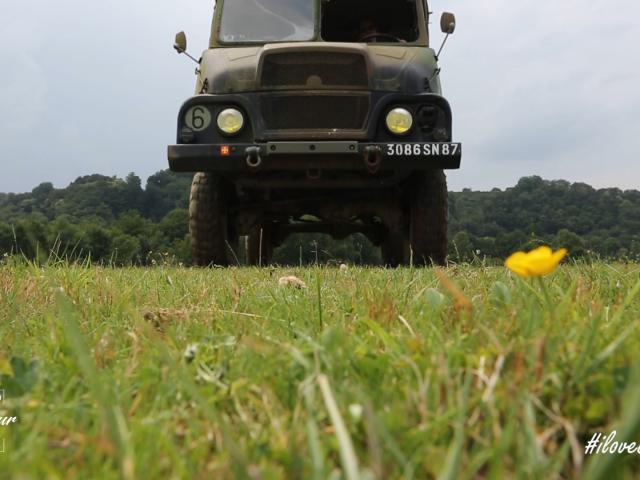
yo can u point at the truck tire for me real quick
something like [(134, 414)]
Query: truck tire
[(208, 223), (429, 218), (394, 249), (260, 246)]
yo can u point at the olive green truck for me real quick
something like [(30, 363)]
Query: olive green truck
[(317, 116)]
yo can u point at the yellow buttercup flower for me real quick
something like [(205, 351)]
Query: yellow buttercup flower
[(538, 262)]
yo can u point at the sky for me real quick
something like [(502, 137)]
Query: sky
[(547, 88)]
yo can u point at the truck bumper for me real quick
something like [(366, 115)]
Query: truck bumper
[(304, 156)]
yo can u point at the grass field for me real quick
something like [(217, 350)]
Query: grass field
[(366, 373)]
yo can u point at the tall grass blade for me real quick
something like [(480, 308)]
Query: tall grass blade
[(101, 390), (347, 452)]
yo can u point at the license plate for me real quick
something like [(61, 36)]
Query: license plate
[(423, 149)]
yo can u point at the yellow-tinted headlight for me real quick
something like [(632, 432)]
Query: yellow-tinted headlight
[(230, 121), (399, 121)]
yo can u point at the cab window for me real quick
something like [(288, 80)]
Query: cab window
[(369, 21), (263, 21)]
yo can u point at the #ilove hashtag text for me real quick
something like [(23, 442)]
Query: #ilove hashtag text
[(6, 421), (604, 444)]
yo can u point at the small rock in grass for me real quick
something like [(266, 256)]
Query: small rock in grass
[(292, 281), (191, 352), (355, 410)]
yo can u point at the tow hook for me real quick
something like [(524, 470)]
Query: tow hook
[(254, 160), (372, 158)]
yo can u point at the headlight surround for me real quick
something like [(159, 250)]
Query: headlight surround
[(399, 121), (230, 121)]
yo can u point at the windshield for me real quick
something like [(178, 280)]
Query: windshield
[(262, 21), (370, 21)]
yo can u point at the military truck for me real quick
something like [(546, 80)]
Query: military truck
[(317, 116)]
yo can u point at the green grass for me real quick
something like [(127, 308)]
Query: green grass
[(368, 373)]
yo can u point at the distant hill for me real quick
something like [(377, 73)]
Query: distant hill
[(575, 215), (116, 220), (101, 196)]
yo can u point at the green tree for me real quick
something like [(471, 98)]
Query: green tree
[(31, 238), (65, 237), (166, 191), (461, 247), (7, 243), (572, 242), (125, 249), (175, 225), (510, 242), (98, 242)]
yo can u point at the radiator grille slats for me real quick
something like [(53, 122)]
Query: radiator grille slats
[(318, 111), (333, 70)]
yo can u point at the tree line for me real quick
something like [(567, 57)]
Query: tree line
[(117, 221)]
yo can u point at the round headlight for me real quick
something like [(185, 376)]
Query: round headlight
[(399, 121), (230, 121)]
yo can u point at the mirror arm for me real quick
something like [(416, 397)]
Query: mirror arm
[(179, 50), (444, 42)]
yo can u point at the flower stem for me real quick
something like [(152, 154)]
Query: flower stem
[(547, 297)]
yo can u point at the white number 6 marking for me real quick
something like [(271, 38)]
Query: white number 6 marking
[(198, 118)]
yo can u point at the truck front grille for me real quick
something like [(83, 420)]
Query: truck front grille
[(314, 111), (315, 70)]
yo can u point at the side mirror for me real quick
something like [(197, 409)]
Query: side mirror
[(181, 45), (448, 23), (181, 42)]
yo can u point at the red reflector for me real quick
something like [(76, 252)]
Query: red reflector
[(225, 150)]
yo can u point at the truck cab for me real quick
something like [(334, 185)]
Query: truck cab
[(317, 116)]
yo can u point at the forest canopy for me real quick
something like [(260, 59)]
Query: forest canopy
[(117, 221)]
